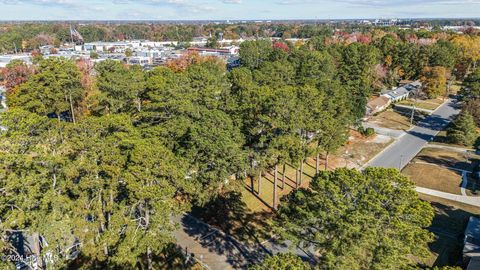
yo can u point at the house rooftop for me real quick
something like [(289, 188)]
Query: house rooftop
[(403, 90), (472, 237), (378, 102)]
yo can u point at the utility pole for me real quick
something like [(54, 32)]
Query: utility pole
[(415, 96), (413, 112), (449, 85)]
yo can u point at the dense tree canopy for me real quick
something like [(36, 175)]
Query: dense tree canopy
[(120, 87), (471, 86), (97, 184), (358, 220), (54, 89), (463, 130), (282, 261)]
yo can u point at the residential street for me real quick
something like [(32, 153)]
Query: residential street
[(400, 153)]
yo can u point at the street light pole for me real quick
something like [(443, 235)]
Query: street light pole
[(415, 96)]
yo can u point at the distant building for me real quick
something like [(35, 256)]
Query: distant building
[(139, 60), (233, 50), (6, 59)]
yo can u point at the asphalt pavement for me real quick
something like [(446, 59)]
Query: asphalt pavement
[(400, 153)]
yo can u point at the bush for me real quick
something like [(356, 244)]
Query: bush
[(367, 132)]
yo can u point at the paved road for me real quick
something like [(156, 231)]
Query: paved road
[(400, 153)]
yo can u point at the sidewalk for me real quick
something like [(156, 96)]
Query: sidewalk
[(448, 147), (475, 201), (384, 131), (416, 108)]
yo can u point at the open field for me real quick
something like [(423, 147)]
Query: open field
[(448, 226), (392, 120)]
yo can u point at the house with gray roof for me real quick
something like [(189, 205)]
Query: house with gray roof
[(403, 92), (471, 241)]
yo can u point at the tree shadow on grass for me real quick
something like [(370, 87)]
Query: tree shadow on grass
[(448, 161), (448, 225), (230, 214)]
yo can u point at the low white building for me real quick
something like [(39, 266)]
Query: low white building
[(139, 60), (6, 59), (403, 92)]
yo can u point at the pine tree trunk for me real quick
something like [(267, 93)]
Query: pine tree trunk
[(259, 183), (139, 105), (296, 178), (326, 161), (60, 128), (317, 163), (283, 176), (71, 108), (301, 172), (252, 184), (54, 181), (37, 250), (149, 259), (275, 188)]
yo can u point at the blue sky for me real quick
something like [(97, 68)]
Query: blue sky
[(232, 9)]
